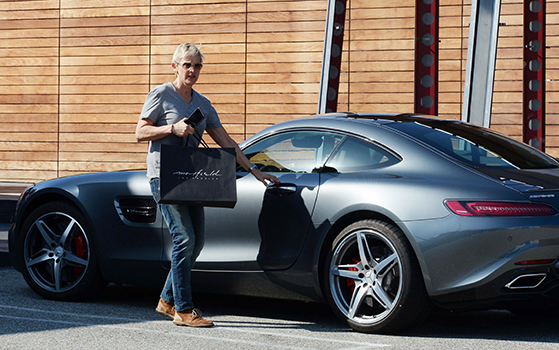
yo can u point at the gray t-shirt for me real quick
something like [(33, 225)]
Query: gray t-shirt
[(165, 106)]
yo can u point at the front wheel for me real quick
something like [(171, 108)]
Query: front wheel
[(373, 280), (55, 245)]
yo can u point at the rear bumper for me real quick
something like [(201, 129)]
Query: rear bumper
[(539, 283), (478, 258)]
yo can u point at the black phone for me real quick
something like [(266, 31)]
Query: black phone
[(195, 118)]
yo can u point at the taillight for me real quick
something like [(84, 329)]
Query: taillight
[(535, 262), (500, 208)]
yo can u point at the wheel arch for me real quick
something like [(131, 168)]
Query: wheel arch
[(60, 214), (403, 301), (348, 219), (42, 198)]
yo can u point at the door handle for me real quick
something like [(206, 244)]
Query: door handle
[(282, 189)]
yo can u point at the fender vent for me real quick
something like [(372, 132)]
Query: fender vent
[(137, 209)]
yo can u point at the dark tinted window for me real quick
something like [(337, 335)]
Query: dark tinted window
[(477, 146), (358, 155)]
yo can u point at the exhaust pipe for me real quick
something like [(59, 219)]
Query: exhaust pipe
[(526, 281)]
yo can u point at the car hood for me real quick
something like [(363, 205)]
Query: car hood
[(527, 180)]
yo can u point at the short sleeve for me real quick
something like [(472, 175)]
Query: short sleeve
[(152, 106), (213, 121)]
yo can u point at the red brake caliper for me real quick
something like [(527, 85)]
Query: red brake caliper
[(351, 282), (80, 248)]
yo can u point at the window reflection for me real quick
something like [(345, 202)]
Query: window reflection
[(358, 155), (293, 152)]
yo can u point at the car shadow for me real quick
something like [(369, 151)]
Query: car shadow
[(490, 324), (298, 314), (4, 260), (318, 317)]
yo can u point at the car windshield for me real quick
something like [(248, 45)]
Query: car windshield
[(476, 146)]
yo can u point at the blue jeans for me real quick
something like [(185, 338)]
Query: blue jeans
[(186, 226)]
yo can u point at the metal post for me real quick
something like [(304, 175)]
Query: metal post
[(533, 109), (426, 88), (332, 56), (480, 65)]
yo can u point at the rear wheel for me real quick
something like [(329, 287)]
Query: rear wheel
[(373, 280), (57, 251)]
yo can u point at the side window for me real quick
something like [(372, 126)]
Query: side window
[(358, 155), (293, 152)]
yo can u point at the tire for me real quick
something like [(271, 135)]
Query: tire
[(373, 280), (58, 259)]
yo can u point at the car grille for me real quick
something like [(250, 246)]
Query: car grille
[(137, 210)]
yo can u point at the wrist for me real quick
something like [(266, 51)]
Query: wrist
[(252, 167), (172, 129)]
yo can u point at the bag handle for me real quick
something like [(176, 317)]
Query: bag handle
[(195, 119), (196, 115), (198, 137)]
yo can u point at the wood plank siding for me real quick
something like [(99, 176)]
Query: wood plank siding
[(74, 74)]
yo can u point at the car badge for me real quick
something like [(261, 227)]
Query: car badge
[(535, 196)]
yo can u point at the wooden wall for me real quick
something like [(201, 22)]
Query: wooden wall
[(74, 74), (29, 89)]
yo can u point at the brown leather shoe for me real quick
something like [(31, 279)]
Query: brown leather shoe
[(192, 318), (165, 309)]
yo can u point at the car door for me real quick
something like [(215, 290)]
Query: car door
[(267, 227)]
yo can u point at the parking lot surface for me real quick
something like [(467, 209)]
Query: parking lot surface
[(123, 317)]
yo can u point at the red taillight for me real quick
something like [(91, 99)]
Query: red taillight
[(535, 262), (500, 209)]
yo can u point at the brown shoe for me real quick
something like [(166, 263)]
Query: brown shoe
[(165, 309), (192, 318)]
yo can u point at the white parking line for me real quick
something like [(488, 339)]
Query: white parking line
[(346, 344)]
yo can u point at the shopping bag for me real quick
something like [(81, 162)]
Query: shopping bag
[(198, 176)]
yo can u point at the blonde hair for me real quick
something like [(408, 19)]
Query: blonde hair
[(186, 50)]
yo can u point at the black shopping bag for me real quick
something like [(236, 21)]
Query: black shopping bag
[(198, 176)]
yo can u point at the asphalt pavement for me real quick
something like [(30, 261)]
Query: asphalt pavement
[(123, 318)]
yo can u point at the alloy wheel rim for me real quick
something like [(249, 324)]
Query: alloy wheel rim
[(56, 252), (366, 277)]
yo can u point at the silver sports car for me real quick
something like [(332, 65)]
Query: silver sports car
[(382, 216)]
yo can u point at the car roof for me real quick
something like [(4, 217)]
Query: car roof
[(349, 121), (340, 120), (388, 118)]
